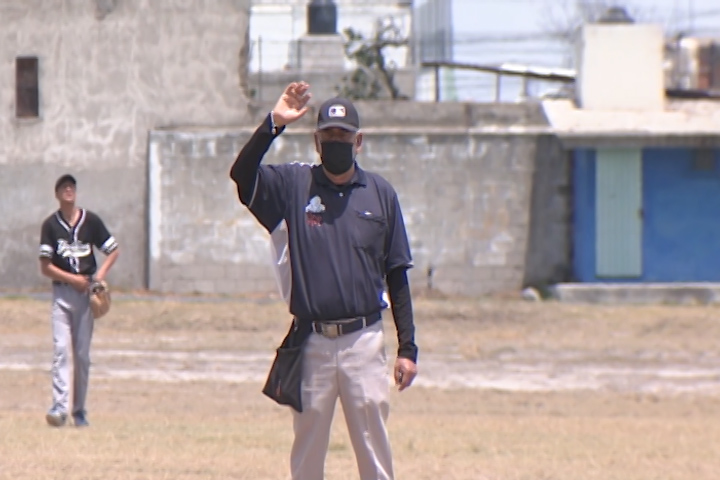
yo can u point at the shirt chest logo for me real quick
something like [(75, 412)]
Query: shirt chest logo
[(76, 249), (313, 212)]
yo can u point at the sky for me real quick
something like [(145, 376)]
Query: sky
[(496, 31)]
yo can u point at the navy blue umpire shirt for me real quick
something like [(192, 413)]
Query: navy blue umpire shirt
[(344, 240)]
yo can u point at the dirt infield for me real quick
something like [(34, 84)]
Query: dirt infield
[(507, 390)]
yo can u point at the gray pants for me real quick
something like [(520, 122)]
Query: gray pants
[(353, 368), (72, 326)]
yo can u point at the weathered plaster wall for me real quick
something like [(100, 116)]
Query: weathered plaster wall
[(464, 175), (110, 71)]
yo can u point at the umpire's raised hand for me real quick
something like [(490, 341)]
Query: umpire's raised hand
[(292, 104)]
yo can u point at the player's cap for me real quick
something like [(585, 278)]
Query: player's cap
[(338, 113), (64, 179)]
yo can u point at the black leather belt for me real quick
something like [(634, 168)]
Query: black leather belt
[(337, 328)]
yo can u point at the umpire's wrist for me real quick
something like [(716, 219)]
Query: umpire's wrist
[(409, 352), (275, 129)]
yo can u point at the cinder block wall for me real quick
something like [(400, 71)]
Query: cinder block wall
[(464, 175)]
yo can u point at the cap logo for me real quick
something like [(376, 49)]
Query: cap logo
[(336, 111)]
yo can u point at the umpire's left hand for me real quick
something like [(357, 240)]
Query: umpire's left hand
[(405, 372)]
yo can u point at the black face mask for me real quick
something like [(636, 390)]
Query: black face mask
[(337, 157)]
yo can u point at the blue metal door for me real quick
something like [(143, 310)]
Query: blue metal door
[(682, 215)]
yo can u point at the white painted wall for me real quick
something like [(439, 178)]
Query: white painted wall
[(620, 67)]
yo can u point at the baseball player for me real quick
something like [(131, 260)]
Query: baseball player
[(346, 240), (67, 257)]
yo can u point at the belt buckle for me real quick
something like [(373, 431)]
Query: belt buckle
[(330, 330)]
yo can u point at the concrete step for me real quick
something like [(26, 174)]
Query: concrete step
[(637, 293)]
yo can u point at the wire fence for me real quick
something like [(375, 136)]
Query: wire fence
[(269, 56)]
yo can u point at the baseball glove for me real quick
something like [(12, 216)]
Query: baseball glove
[(99, 299)]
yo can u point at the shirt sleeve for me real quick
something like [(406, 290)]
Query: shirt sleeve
[(271, 195), (276, 187), (401, 304), (47, 242), (397, 246), (244, 170), (103, 240), (262, 188)]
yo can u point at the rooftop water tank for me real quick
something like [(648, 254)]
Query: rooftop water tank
[(322, 17)]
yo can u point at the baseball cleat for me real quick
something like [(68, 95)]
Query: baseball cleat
[(79, 420), (55, 418)]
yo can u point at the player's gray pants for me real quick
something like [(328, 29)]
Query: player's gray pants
[(72, 327)]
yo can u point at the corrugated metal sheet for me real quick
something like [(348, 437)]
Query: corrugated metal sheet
[(619, 212)]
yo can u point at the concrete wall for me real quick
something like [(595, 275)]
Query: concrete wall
[(464, 174), (266, 87), (107, 77), (549, 254)]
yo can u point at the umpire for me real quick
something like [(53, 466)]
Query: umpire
[(347, 239)]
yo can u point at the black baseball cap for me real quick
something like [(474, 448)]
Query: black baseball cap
[(65, 178), (338, 112)]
